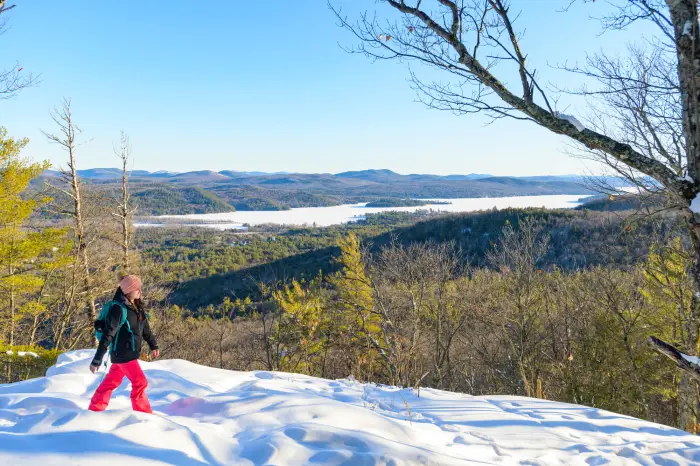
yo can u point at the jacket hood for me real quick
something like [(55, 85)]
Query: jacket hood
[(120, 297)]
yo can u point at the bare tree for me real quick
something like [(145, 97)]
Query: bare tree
[(66, 138), (518, 256), (411, 288), (14, 79), (125, 211), (649, 130)]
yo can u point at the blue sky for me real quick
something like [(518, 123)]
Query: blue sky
[(238, 85)]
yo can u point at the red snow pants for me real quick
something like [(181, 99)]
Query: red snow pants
[(132, 371)]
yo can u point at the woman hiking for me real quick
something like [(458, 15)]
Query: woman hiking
[(124, 338)]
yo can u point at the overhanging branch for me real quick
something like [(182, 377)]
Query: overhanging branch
[(676, 356)]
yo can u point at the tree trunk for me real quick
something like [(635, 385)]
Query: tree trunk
[(80, 286), (12, 318), (80, 234), (124, 215), (689, 402), (684, 15), (82, 252), (35, 327), (10, 273), (124, 210)]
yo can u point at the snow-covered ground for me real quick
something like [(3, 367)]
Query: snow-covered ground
[(210, 416)]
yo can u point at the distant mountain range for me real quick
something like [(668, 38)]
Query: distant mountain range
[(206, 191), (378, 176)]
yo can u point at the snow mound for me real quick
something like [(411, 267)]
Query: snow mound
[(695, 205), (210, 416)]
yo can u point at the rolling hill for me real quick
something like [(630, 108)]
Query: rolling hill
[(207, 191)]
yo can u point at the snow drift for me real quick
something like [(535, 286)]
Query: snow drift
[(210, 416)]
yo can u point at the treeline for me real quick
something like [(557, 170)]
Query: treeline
[(202, 265), (160, 199), (265, 198), (418, 315), (578, 239), (220, 264), (149, 199)]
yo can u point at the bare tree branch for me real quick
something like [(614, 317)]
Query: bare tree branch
[(424, 39), (14, 79)]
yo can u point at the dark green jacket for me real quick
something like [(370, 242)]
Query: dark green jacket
[(124, 352)]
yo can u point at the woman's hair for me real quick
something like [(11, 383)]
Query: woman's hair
[(138, 305), (140, 312)]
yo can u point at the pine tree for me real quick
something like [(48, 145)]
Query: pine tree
[(304, 327), (24, 253), (669, 291), (361, 326)]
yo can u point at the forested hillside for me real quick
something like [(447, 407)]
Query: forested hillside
[(224, 264)]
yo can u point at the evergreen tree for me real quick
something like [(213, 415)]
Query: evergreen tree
[(304, 325), (669, 291), (24, 253), (360, 329)]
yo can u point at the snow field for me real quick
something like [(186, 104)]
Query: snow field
[(209, 416)]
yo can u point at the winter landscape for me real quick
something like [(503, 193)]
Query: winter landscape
[(367, 232)]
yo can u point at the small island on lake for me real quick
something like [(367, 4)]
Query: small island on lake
[(395, 202)]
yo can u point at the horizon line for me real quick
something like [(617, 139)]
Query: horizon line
[(490, 175)]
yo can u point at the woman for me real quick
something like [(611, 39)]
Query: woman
[(126, 352)]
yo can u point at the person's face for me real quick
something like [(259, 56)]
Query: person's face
[(134, 295)]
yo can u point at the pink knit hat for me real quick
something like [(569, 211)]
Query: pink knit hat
[(130, 283)]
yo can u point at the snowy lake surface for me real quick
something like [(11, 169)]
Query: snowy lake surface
[(335, 215)]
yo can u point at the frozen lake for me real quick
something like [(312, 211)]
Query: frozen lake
[(325, 216)]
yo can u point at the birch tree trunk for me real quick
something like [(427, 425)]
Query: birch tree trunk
[(684, 15), (124, 209), (67, 139), (80, 223)]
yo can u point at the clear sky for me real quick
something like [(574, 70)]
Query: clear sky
[(253, 85)]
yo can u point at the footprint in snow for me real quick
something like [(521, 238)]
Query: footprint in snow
[(480, 436), (580, 448), (597, 461), (130, 420), (295, 433), (627, 452), (658, 459), (450, 428), (63, 420)]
